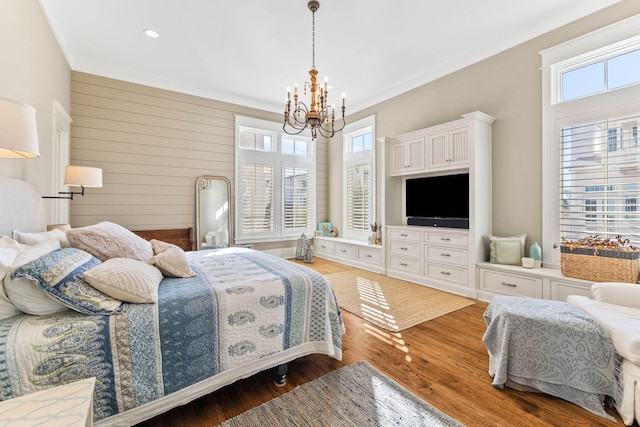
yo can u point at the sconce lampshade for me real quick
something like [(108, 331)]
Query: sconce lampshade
[(83, 176), (18, 130)]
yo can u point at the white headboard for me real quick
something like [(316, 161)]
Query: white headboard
[(21, 207)]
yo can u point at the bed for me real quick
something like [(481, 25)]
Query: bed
[(241, 312)]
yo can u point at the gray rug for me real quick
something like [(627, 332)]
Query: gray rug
[(355, 395)]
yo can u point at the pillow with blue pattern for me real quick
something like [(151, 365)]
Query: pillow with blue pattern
[(59, 275)]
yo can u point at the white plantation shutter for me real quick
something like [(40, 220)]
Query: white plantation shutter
[(297, 198), (256, 198), (600, 179), (358, 197)]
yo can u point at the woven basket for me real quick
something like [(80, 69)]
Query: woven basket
[(600, 265)]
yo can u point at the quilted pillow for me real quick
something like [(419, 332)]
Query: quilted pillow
[(107, 240), (170, 259), (126, 279), (506, 250), (59, 275)]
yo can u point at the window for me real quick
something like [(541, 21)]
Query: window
[(591, 157), (359, 179), (275, 189)]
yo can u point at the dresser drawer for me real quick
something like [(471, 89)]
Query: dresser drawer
[(446, 255), (461, 240), (510, 284), (369, 255), (404, 264), (404, 248), (324, 247), (345, 250), (446, 272), (406, 235)]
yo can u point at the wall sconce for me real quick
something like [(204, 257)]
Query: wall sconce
[(79, 176), (18, 130)]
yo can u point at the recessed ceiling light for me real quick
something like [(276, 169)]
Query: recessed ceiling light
[(151, 33)]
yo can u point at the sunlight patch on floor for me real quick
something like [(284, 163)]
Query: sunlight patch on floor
[(374, 308)]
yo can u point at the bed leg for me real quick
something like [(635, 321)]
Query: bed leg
[(280, 375)]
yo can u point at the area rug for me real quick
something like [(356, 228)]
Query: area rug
[(355, 395), (389, 303)]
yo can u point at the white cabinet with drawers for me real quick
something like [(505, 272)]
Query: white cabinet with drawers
[(514, 280), (351, 252), (435, 257)]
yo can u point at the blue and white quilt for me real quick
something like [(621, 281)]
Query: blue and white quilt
[(554, 347), (236, 316)]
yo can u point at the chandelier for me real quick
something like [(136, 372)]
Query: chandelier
[(318, 116)]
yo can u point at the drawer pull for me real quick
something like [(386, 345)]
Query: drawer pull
[(403, 234), (344, 251), (323, 246), (445, 239), (446, 255), (404, 264), (404, 249), (511, 285), (445, 273), (368, 256)]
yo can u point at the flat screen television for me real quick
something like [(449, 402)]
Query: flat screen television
[(438, 201)]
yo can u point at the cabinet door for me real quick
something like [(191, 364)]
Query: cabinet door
[(407, 157), (449, 149)]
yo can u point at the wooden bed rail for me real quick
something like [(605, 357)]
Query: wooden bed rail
[(182, 237)]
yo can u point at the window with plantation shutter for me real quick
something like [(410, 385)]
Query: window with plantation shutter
[(359, 179), (297, 199), (256, 198), (275, 190), (600, 177), (590, 150), (358, 197)]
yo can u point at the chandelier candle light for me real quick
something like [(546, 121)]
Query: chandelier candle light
[(319, 117)]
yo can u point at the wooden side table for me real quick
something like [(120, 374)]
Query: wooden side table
[(69, 405)]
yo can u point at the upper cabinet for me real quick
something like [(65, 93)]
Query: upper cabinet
[(407, 156), (448, 149), (447, 146)]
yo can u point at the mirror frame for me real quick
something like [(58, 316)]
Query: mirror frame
[(199, 183)]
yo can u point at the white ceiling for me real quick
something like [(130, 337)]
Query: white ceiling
[(248, 51)]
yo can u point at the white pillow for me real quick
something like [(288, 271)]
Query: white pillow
[(170, 259), (109, 240), (33, 238), (23, 293), (7, 256), (624, 294), (126, 279)]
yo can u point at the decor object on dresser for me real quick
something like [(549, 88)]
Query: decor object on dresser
[(390, 303), (243, 312), (79, 176), (18, 130), (559, 343), (319, 115), (357, 395)]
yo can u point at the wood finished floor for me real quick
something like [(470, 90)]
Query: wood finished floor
[(443, 361)]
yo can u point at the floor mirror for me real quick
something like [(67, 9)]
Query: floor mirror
[(213, 216)]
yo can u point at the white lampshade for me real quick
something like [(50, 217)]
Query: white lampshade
[(83, 176), (18, 130)]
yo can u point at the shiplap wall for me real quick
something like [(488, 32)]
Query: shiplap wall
[(152, 144)]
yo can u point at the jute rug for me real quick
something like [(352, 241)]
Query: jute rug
[(356, 395), (389, 303)]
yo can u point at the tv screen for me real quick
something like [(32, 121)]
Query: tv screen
[(444, 196)]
